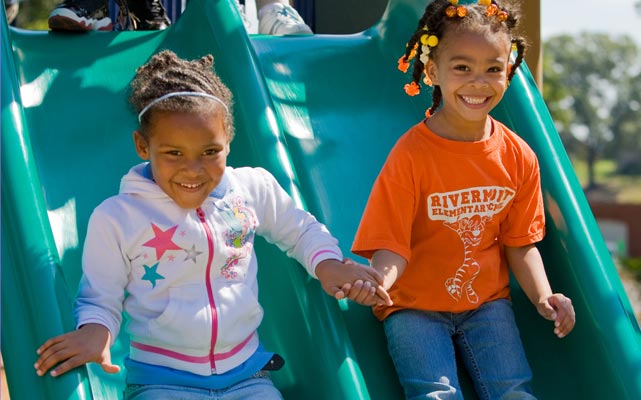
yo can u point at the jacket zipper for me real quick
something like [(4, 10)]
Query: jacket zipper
[(210, 291)]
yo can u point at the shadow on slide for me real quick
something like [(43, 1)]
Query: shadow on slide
[(319, 112)]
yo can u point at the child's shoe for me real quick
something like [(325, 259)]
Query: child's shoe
[(80, 15), (281, 19), (150, 15), (251, 24)]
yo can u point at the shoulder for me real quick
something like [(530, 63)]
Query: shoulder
[(408, 146), (114, 207), (409, 138), (515, 144), (248, 175), (512, 138)]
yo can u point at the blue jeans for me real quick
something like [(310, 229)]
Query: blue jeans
[(256, 388), (423, 345)]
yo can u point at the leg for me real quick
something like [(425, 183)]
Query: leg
[(420, 344), (165, 392), (491, 348), (262, 3), (259, 387), (278, 17)]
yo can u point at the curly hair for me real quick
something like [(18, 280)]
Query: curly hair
[(166, 73)]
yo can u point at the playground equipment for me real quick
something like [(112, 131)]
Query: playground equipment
[(320, 112)]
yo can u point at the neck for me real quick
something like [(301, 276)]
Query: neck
[(459, 130)]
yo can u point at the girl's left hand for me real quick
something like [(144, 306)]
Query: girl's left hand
[(558, 308)]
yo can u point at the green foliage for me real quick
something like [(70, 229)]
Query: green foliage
[(592, 86), (613, 186), (633, 265), (33, 13)]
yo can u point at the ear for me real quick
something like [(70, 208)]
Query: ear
[(142, 147), (431, 71)]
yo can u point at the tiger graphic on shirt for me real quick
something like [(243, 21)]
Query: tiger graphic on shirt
[(467, 212)]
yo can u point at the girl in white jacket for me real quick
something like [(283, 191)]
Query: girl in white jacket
[(174, 251)]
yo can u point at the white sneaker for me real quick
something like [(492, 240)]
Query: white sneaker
[(249, 18), (281, 19)]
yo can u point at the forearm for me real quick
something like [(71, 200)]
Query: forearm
[(527, 266), (390, 265)]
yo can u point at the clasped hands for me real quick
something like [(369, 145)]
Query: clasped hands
[(357, 282)]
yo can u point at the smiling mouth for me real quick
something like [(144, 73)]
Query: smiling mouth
[(191, 186), (474, 100)]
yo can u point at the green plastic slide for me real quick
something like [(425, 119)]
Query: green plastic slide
[(320, 112)]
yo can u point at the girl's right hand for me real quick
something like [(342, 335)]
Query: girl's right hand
[(90, 343)]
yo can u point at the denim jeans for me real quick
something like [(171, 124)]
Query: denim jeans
[(259, 387), (423, 345)]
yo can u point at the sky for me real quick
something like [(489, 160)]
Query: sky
[(573, 16)]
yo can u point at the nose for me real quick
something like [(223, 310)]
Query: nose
[(193, 166), (478, 80)]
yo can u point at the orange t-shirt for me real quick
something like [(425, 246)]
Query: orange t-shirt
[(448, 207)]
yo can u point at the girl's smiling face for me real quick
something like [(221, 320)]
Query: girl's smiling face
[(188, 153), (471, 68)]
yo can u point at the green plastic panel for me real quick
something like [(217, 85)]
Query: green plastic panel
[(320, 112)]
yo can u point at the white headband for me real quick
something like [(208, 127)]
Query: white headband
[(174, 94)]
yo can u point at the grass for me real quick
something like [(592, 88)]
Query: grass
[(611, 186)]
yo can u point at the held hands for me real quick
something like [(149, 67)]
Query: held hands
[(90, 343), (559, 309), (357, 282)]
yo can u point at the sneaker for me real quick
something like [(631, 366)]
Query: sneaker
[(281, 19), (80, 15), (150, 15), (249, 23)]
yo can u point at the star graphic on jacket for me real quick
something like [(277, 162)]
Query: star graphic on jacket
[(151, 275), (162, 240), (192, 253)]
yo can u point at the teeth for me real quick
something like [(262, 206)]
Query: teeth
[(474, 100), (190, 186)]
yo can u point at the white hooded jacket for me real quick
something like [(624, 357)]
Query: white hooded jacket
[(187, 278)]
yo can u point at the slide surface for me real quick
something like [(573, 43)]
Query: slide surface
[(320, 112)]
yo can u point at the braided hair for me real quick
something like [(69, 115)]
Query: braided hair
[(442, 17), (167, 73)]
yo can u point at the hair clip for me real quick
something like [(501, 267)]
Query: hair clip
[(429, 40), (412, 89), (458, 11), (403, 64)]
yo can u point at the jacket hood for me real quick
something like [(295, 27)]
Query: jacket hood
[(140, 181)]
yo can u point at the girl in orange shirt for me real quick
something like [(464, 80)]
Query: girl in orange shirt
[(457, 201)]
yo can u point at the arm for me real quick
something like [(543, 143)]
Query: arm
[(90, 343), (527, 266), (390, 265), (97, 307)]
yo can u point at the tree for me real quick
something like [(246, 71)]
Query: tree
[(626, 128), (589, 82), (33, 13)]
